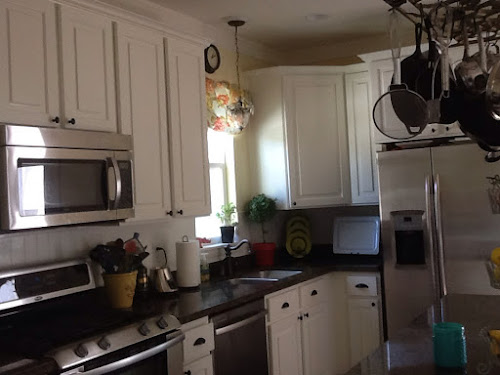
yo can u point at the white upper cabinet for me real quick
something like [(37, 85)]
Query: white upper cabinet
[(362, 155), (298, 143), (188, 128), (141, 68), (28, 62), (317, 140), (88, 70)]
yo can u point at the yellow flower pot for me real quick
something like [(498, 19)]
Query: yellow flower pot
[(120, 289)]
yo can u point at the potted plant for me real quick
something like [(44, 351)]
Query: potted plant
[(261, 209), (225, 215)]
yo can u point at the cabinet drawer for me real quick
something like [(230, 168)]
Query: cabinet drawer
[(199, 342), (283, 305), (361, 285), (313, 293)]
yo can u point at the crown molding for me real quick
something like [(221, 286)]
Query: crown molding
[(150, 15)]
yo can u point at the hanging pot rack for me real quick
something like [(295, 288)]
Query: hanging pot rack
[(483, 14)]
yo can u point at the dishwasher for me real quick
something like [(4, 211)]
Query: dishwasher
[(240, 340)]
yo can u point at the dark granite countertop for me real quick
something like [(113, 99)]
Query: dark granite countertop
[(410, 352), (216, 296)]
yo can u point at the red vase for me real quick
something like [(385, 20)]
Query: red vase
[(264, 253)]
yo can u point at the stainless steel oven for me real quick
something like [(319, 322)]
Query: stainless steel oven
[(159, 355), (55, 311), (57, 177)]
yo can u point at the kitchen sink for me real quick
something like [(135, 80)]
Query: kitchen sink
[(250, 280), (265, 276), (274, 275)]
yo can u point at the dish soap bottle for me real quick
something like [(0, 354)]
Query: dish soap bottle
[(204, 268)]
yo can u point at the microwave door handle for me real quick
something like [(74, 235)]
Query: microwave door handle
[(113, 203)]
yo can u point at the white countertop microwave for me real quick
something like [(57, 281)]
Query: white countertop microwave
[(52, 177)]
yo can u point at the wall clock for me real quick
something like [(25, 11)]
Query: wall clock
[(212, 59)]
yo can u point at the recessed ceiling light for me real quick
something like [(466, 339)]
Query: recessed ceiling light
[(317, 17)]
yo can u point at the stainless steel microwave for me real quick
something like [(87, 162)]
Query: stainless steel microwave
[(52, 177)]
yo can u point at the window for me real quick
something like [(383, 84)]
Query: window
[(222, 182)]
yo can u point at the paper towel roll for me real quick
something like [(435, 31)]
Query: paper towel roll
[(188, 263)]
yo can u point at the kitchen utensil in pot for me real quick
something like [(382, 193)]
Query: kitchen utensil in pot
[(164, 281), (399, 113)]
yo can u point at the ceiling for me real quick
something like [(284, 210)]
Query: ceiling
[(282, 24)]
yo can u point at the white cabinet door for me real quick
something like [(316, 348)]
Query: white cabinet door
[(317, 140), (188, 129), (141, 67), (285, 347), (88, 70), (364, 179), (29, 91), (364, 324), (317, 343), (202, 366)]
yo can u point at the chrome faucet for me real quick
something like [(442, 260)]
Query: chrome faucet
[(228, 261)]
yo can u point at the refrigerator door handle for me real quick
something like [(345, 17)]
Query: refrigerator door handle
[(439, 235), (429, 211)]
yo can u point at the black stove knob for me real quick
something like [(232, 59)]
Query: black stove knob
[(162, 323), (81, 351), (104, 343), (144, 329)]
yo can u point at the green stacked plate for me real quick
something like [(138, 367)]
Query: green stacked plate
[(298, 236)]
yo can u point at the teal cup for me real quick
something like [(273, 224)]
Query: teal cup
[(449, 345)]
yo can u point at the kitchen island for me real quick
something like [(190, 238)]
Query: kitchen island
[(410, 352)]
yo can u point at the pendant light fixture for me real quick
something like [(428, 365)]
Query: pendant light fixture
[(242, 109)]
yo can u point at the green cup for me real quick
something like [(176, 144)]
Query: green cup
[(449, 345)]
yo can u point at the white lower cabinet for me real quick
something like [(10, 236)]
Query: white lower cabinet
[(364, 327), (299, 340), (324, 326), (316, 339), (358, 317), (202, 366), (198, 346)]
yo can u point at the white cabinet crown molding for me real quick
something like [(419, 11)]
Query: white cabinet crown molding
[(312, 69), (150, 15)]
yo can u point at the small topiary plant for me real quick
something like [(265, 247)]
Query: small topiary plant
[(261, 209)]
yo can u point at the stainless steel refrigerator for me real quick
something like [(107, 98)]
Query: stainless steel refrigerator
[(438, 226)]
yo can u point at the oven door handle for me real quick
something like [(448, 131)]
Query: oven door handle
[(177, 337), (241, 323)]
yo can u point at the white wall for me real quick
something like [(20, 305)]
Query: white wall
[(23, 248)]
